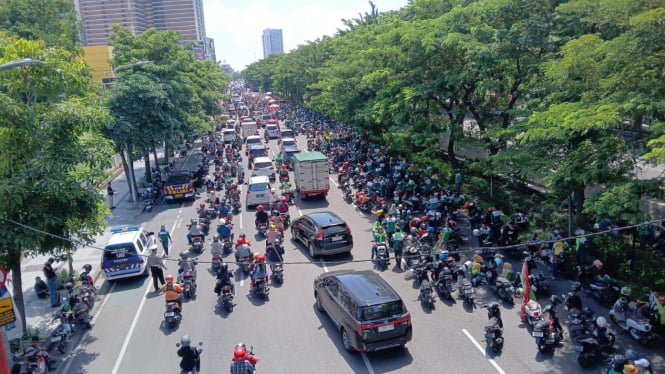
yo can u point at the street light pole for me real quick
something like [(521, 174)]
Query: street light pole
[(18, 63)]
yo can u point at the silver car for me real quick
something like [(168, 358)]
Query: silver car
[(259, 192), (263, 166)]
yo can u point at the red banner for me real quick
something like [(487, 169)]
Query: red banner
[(526, 285)]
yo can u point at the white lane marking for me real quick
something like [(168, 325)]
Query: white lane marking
[(300, 212), (125, 344), (333, 181), (87, 333), (240, 222), (370, 369), (323, 264), (480, 348)]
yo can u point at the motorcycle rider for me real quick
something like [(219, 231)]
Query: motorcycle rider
[(261, 216), (224, 230), (223, 209), (216, 248), (34, 349), (283, 172), (378, 238), (493, 311), (600, 333), (224, 279), (202, 212), (271, 235), (173, 292), (194, 230), (398, 246), (239, 363), (283, 207), (190, 355), (185, 264), (275, 253), (242, 249), (259, 270)]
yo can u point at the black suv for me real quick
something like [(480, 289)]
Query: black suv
[(369, 314), (324, 233), (179, 186)]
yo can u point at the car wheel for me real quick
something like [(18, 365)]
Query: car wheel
[(346, 341), (310, 248), (319, 305)]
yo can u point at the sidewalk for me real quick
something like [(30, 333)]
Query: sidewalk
[(38, 311)]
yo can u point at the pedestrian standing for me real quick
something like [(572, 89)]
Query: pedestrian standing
[(458, 182), (165, 238), (157, 268), (110, 192), (398, 246), (51, 280)]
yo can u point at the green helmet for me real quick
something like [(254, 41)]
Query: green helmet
[(65, 307)]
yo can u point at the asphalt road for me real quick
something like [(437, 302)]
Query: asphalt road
[(288, 334)]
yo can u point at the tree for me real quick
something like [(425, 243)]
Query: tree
[(53, 156), (53, 21)]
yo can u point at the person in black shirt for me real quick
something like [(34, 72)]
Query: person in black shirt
[(41, 289), (190, 355), (51, 280)]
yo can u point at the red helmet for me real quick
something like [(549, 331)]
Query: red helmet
[(283, 199), (240, 241), (345, 164), (261, 258), (283, 166), (424, 218), (259, 208), (239, 352), (202, 205)]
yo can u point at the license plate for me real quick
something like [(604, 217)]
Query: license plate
[(385, 328), (468, 292), (169, 314), (489, 336), (259, 195), (177, 196), (336, 238), (537, 334), (578, 348), (56, 339)]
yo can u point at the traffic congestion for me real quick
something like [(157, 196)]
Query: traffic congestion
[(296, 244)]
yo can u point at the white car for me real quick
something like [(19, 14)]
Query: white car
[(229, 135), (263, 166), (288, 143), (259, 192), (272, 131), (252, 140)]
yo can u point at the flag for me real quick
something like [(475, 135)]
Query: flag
[(526, 285), (659, 306)]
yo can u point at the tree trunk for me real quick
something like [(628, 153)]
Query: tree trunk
[(130, 161), (167, 155), (154, 154), (148, 171), (125, 167), (14, 262), (451, 150), (579, 205)]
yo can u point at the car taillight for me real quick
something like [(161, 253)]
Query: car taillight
[(272, 167), (348, 228), (166, 191), (190, 187), (320, 235), (363, 327), (248, 192), (255, 168), (141, 260)]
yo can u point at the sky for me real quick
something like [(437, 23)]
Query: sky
[(237, 25)]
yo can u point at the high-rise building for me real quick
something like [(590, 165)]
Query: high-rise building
[(272, 42), (184, 16)]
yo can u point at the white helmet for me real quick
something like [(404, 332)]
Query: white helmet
[(185, 340), (476, 232), (601, 322), (222, 221)]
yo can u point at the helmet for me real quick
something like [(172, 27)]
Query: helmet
[(260, 208), (222, 221), (413, 230), (345, 164), (431, 230), (630, 354), (183, 255), (169, 278), (423, 225), (185, 340), (597, 263), (424, 218), (625, 291), (273, 227), (239, 352), (255, 256), (555, 300), (241, 345), (224, 266), (520, 290), (261, 258), (65, 307), (601, 322), (283, 199), (193, 221), (240, 241), (443, 255), (476, 232)]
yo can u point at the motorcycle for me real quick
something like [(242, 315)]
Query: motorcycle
[(286, 219), (235, 206), (197, 244), (205, 225), (33, 364), (630, 318), (244, 265), (381, 256), (78, 307), (546, 336), (211, 211), (262, 228), (189, 284), (215, 263), (444, 283), (494, 329), (534, 313), (261, 288), (227, 246), (172, 314), (226, 298), (277, 270), (505, 290), (426, 295), (466, 291), (604, 290), (589, 352), (540, 285), (348, 192), (61, 335), (199, 350)]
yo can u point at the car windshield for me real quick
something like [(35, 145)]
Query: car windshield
[(262, 165), (287, 133), (178, 178), (332, 230), (118, 252), (258, 187), (253, 140), (382, 311), (289, 143)]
